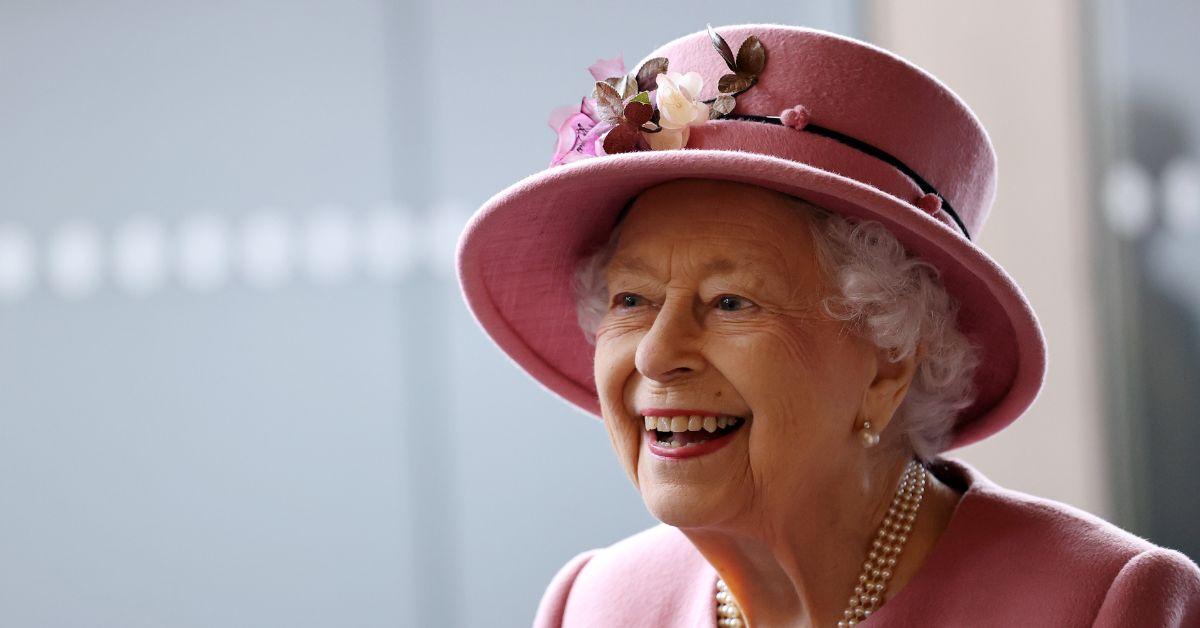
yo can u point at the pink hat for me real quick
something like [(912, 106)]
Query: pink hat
[(826, 118)]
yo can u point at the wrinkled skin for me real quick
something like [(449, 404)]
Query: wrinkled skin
[(748, 341)]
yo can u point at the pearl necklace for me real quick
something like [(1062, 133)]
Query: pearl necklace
[(881, 558)]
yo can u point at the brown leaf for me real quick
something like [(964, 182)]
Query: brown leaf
[(650, 69), (638, 113), (621, 139), (647, 73), (721, 106), (608, 102), (627, 87), (722, 47), (733, 83), (606, 91), (751, 57)]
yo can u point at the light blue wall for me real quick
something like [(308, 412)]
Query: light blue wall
[(286, 447)]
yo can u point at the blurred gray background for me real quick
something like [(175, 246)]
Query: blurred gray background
[(239, 385)]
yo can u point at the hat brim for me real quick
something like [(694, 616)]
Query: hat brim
[(517, 254)]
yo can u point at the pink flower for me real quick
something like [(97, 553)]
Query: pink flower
[(580, 133), (607, 68)]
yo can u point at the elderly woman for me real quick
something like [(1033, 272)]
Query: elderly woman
[(757, 268)]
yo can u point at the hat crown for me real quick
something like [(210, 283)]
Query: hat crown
[(862, 91)]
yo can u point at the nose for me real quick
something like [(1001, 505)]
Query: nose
[(671, 347)]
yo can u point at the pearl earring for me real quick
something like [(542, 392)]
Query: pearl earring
[(869, 438)]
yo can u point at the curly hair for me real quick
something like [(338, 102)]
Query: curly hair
[(884, 293)]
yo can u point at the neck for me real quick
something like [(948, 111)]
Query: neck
[(797, 566)]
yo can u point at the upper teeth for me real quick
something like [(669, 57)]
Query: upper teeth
[(693, 423)]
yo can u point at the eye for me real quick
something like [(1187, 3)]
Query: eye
[(626, 300), (729, 303)]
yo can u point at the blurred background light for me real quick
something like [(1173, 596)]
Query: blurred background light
[(1181, 195), (267, 248), (389, 242), (330, 250), (17, 267), (204, 252), (74, 260), (139, 256), (1128, 199)]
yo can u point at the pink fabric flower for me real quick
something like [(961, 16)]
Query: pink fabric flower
[(580, 133), (607, 68)]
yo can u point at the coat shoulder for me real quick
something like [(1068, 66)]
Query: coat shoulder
[(1061, 562), (1158, 583), (655, 575), (554, 600), (1050, 530)]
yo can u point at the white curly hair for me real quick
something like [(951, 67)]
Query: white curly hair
[(884, 293)]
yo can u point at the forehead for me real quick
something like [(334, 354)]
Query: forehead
[(713, 227)]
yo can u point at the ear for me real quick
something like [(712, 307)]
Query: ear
[(888, 387)]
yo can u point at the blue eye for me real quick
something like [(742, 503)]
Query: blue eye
[(730, 299)]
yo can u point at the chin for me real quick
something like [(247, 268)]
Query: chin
[(683, 507)]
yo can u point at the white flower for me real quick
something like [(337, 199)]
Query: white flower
[(676, 96), (667, 139)]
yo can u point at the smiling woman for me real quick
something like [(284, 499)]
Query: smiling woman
[(784, 324), (668, 348), (870, 281)]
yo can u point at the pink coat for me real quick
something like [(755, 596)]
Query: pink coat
[(1005, 559)]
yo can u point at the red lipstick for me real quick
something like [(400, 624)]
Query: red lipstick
[(689, 444), (691, 451)]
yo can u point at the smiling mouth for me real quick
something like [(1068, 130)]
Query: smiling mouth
[(691, 431)]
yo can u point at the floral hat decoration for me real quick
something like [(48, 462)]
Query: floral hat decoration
[(826, 118), (653, 108)]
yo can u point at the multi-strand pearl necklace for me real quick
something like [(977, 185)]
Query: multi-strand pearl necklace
[(881, 558)]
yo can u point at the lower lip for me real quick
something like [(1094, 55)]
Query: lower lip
[(676, 453)]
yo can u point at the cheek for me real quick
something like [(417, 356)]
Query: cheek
[(788, 374), (613, 367), (771, 361)]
